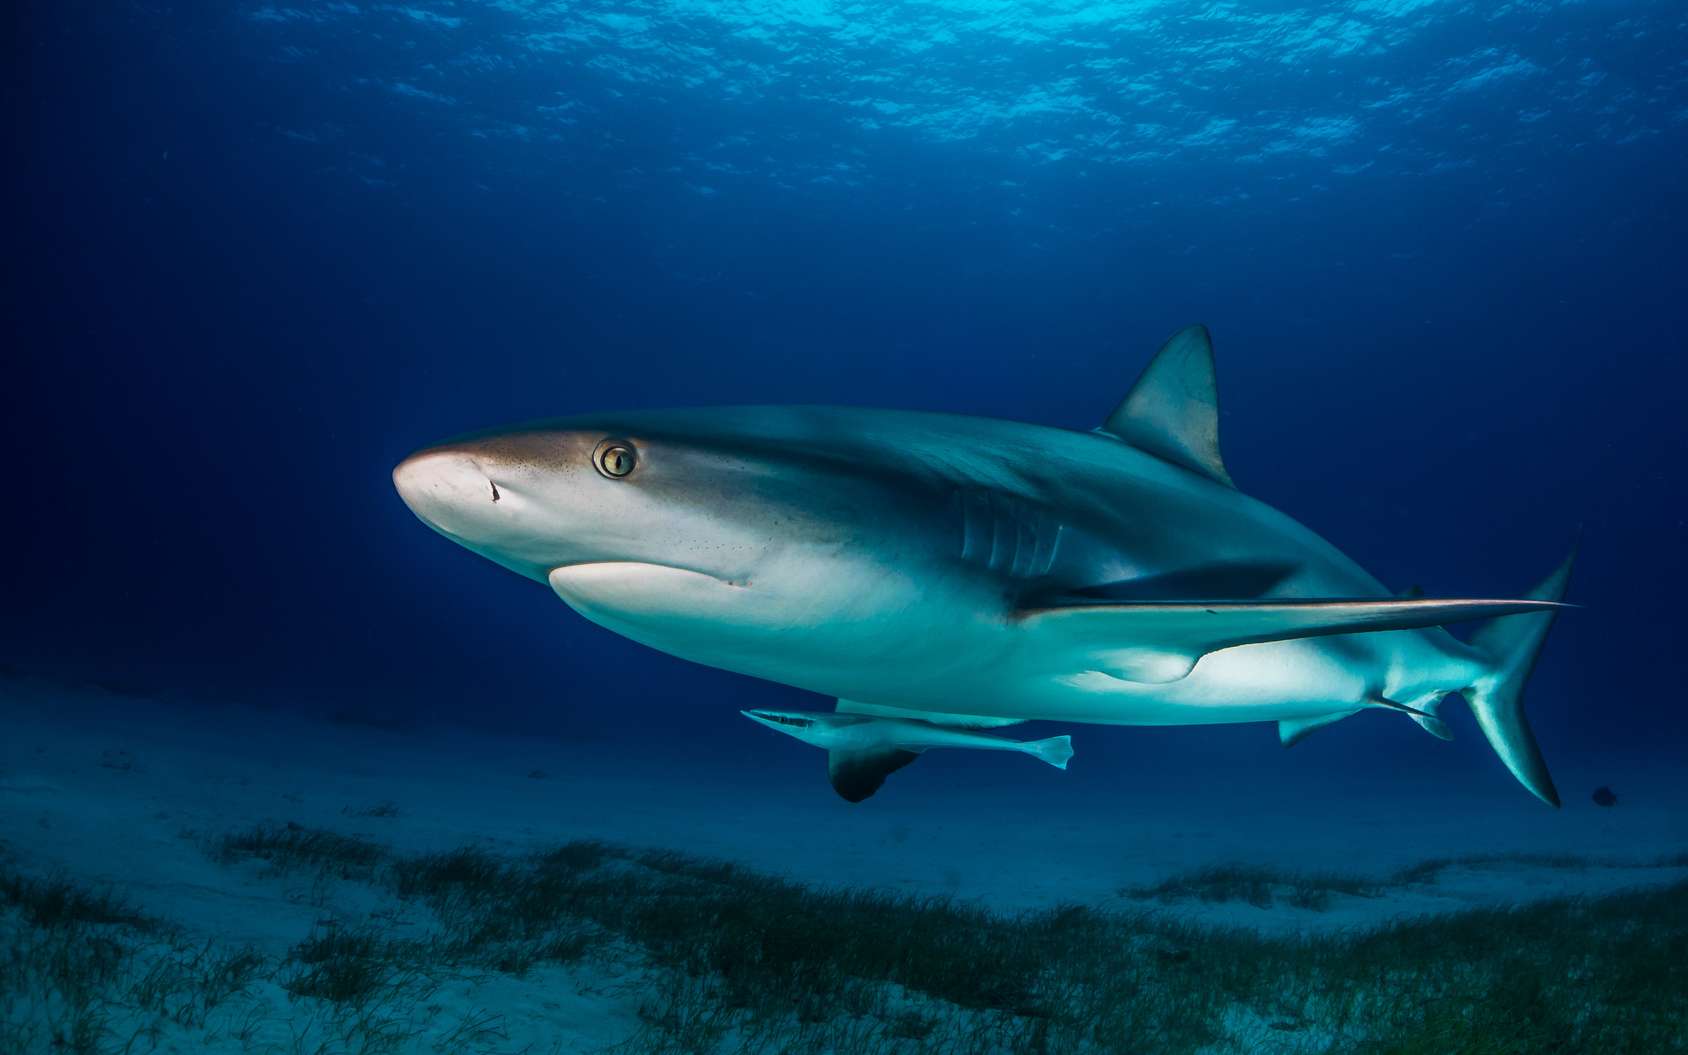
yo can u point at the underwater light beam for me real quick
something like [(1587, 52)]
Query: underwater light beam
[(940, 574)]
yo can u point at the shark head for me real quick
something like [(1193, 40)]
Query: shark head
[(743, 538), (555, 503)]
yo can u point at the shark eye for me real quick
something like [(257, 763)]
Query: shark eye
[(614, 458)]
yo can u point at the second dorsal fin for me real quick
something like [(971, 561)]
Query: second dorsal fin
[(1173, 410)]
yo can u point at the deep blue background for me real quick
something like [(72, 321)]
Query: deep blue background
[(253, 267)]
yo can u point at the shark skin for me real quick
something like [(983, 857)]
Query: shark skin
[(934, 566)]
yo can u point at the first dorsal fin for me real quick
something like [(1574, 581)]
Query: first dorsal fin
[(1173, 410)]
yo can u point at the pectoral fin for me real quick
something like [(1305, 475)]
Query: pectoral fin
[(1161, 641), (1236, 580), (858, 774)]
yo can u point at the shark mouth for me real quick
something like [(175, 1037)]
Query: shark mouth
[(633, 568), (627, 594)]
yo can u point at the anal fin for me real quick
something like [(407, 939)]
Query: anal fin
[(1427, 720), (1434, 726), (1292, 731)]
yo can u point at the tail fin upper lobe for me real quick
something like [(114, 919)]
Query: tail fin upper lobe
[(1497, 699)]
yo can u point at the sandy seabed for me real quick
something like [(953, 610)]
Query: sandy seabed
[(192, 878)]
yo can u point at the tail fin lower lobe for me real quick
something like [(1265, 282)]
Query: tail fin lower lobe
[(1497, 698)]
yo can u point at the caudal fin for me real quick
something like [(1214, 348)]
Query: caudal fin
[(1055, 750), (1497, 698)]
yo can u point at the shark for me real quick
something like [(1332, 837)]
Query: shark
[(971, 574)]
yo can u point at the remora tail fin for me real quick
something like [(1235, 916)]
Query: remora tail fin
[(1056, 750), (1497, 699)]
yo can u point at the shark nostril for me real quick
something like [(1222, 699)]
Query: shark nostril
[(495, 495)]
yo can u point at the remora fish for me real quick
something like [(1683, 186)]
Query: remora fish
[(978, 573), (850, 739)]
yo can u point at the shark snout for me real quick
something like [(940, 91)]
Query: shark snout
[(447, 489)]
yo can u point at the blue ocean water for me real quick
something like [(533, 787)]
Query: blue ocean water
[(263, 252)]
